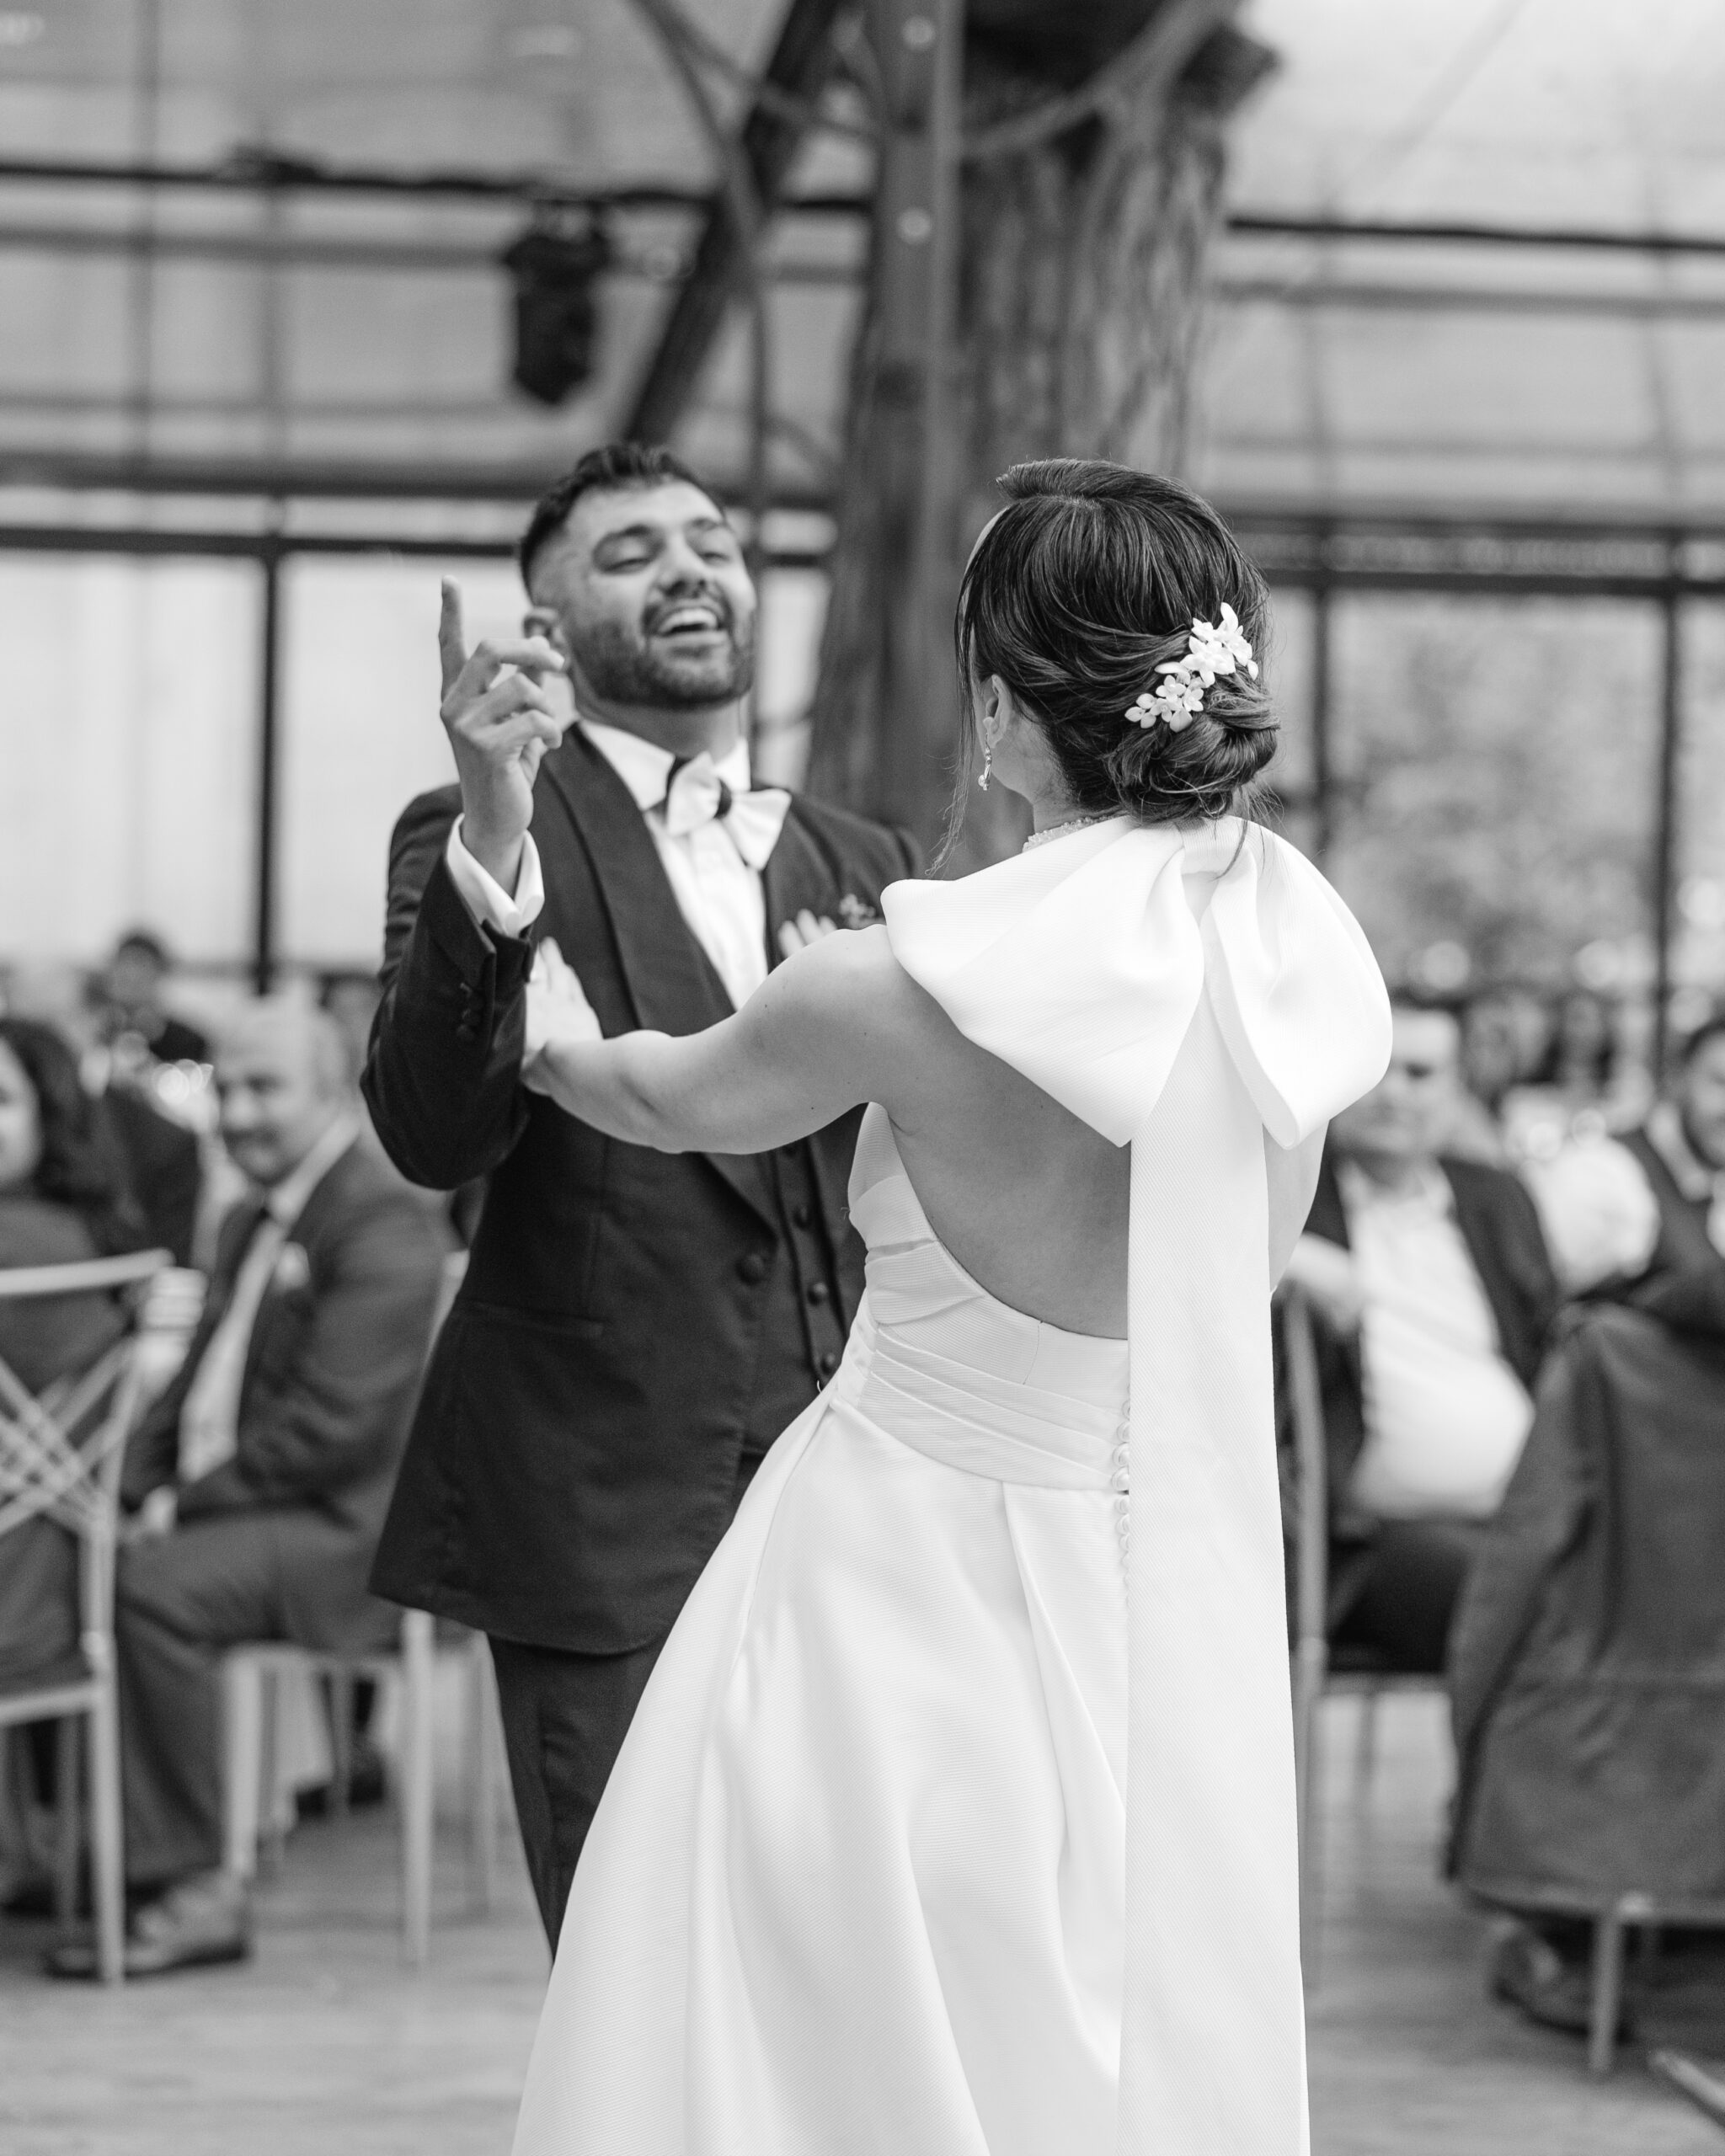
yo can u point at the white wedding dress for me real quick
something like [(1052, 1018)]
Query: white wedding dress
[(956, 1819)]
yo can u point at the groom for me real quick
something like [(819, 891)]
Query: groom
[(635, 1327)]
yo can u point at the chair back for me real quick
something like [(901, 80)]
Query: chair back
[(62, 1448)]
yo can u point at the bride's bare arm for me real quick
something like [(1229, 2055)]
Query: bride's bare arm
[(829, 1030)]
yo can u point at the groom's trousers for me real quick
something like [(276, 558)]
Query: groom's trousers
[(564, 1718)]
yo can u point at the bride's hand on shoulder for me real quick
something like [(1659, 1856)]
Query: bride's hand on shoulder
[(559, 1017), (808, 928)]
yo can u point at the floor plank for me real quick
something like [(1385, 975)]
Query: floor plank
[(325, 2042)]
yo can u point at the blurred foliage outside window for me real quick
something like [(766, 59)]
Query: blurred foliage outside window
[(1495, 769)]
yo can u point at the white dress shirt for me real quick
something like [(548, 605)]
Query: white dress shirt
[(209, 1420), (1446, 1416), (1599, 1212), (713, 868)]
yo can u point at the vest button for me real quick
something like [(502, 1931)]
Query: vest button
[(753, 1267), (818, 1292), (828, 1363), (803, 1216)]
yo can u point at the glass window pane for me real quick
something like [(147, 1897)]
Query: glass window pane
[(1699, 954), (1287, 670), (360, 734), (128, 737), (1496, 766), (793, 613)]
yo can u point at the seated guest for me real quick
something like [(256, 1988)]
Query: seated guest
[(1588, 1647), (261, 1476), (135, 1019), (161, 1157), (60, 1203), (1640, 1219), (1587, 1650), (1433, 1293)]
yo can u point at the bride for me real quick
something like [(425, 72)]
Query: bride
[(957, 1817)]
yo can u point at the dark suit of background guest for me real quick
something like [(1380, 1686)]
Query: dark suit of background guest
[(1393, 1583), (635, 1327), (276, 1543)]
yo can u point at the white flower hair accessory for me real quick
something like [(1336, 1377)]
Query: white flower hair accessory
[(1213, 648)]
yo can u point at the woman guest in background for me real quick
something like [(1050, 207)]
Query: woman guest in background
[(61, 1199), (867, 1877)]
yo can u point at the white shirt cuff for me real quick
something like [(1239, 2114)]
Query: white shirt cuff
[(485, 898)]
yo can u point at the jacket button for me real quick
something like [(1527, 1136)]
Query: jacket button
[(818, 1292), (803, 1216), (753, 1267)]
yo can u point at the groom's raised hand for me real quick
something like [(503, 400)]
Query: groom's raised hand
[(499, 723)]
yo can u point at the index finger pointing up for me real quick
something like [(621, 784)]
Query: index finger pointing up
[(451, 643)]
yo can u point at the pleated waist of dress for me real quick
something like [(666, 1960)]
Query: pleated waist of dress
[(982, 1424)]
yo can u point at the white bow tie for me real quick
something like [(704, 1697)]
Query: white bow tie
[(695, 795)]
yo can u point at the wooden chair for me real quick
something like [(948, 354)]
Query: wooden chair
[(61, 1454), (250, 1676), (1318, 1672)]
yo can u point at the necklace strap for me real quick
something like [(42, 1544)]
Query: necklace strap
[(1060, 830)]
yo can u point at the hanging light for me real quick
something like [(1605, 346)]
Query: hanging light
[(555, 265)]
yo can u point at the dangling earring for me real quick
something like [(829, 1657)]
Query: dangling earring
[(987, 762)]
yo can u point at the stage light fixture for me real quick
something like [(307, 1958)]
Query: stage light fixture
[(555, 265)]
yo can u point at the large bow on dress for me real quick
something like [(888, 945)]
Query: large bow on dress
[(1189, 1031)]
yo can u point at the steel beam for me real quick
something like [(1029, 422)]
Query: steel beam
[(919, 47), (771, 138)]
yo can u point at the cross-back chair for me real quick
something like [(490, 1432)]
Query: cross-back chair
[(60, 1454)]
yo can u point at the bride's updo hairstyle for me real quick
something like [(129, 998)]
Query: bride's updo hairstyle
[(1086, 582)]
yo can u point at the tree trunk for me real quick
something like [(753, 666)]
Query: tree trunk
[(1079, 311)]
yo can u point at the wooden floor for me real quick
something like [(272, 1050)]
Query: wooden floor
[(324, 2043)]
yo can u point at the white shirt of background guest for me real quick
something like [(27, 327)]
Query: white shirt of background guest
[(1446, 1416)]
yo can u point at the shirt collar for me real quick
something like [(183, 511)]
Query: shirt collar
[(645, 768), (1428, 1190), (285, 1201)]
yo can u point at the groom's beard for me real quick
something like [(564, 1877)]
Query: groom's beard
[(625, 667)]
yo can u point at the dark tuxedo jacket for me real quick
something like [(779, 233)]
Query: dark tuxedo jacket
[(333, 1365), (1500, 1226), (612, 1353)]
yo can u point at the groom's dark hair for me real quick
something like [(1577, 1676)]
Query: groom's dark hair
[(1087, 581), (617, 467)]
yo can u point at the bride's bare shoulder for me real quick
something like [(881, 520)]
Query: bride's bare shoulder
[(856, 965), (853, 982)]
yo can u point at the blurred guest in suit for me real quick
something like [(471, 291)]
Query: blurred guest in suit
[(260, 1478), (1591, 1639), (1433, 1294), (1640, 1218), (160, 1156), (135, 1019)]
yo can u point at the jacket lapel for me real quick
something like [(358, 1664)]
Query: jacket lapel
[(324, 1204), (668, 979), (798, 874)]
